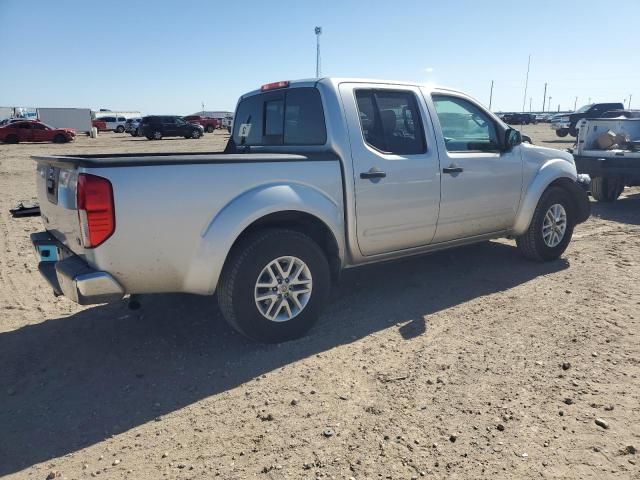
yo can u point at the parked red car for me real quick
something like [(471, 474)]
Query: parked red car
[(33, 131), (209, 124), (99, 124)]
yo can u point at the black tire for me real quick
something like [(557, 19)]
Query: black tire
[(11, 139), (532, 244), (210, 129), (157, 135), (563, 132), (606, 189), (196, 134), (59, 139), (120, 129), (149, 137), (242, 270), (573, 131)]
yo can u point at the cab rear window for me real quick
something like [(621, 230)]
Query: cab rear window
[(284, 117)]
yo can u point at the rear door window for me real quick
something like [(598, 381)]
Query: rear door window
[(390, 121)]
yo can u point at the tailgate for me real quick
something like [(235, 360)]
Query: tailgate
[(56, 187)]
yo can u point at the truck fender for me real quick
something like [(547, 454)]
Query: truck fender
[(230, 222), (549, 172)]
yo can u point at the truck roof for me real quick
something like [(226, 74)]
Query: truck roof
[(335, 81)]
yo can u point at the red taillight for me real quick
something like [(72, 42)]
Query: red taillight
[(274, 85), (95, 209)]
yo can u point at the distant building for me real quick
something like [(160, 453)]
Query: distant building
[(213, 114)]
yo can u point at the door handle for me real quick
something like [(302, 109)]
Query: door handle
[(373, 173), (452, 169)]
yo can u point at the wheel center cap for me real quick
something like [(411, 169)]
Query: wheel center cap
[(283, 288)]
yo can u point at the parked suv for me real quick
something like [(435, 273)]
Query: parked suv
[(155, 127), (519, 118), (113, 124), (566, 124)]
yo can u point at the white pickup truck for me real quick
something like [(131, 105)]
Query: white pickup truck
[(319, 175), (614, 164)]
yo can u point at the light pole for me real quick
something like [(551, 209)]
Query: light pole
[(203, 109), (544, 96), (629, 104), (550, 107), (526, 84), (491, 95), (318, 33), (575, 104)]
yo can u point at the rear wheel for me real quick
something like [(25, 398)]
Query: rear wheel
[(562, 132), (11, 139), (573, 132), (59, 139), (209, 128), (120, 129), (551, 227), (157, 135), (274, 285), (606, 189)]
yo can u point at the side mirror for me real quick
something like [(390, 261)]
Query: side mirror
[(512, 138)]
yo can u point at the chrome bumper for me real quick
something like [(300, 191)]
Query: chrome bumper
[(70, 276)]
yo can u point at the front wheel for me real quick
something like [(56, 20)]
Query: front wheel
[(562, 132), (196, 134), (209, 128), (157, 135), (274, 285), (59, 139), (551, 227), (120, 129)]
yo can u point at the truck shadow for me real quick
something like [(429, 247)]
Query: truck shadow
[(624, 210), (70, 382)]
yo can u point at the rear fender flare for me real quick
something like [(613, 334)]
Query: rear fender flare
[(232, 220)]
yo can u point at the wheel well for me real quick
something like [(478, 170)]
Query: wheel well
[(304, 223), (566, 184)]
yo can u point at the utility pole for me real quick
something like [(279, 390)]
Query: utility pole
[(491, 95), (629, 105), (544, 96), (318, 33), (526, 84), (549, 104), (575, 104), (203, 109), (530, 100)]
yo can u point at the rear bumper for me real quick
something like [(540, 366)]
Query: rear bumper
[(608, 167), (70, 276)]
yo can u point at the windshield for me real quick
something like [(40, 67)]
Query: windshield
[(584, 109)]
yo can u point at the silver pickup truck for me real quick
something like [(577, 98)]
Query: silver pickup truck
[(318, 176)]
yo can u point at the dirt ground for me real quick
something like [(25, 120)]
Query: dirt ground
[(470, 363)]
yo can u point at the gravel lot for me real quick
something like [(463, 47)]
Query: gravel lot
[(462, 364)]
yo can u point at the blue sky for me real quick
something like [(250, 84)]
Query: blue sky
[(162, 56)]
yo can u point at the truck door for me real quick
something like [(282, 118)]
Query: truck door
[(395, 165), (480, 185)]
